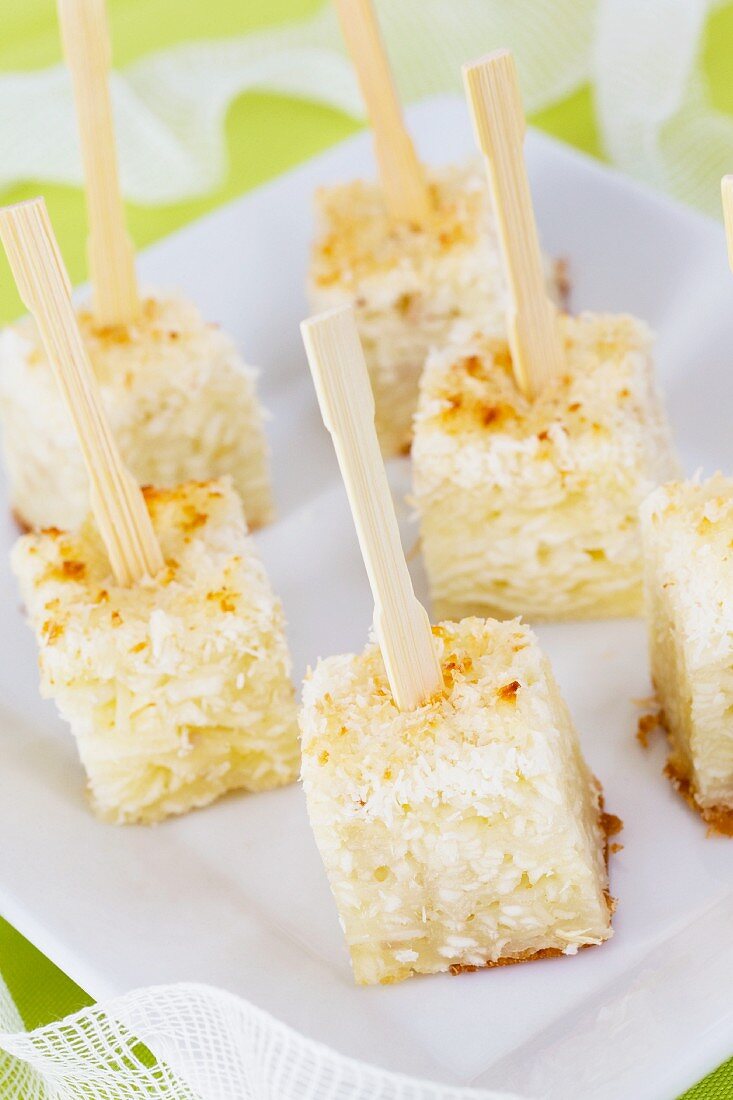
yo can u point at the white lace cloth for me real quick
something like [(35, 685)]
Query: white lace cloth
[(644, 60), (209, 1045), (656, 118), (170, 106)]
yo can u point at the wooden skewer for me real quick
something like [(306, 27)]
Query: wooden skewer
[(117, 503), (402, 175), (347, 406), (111, 256), (726, 187), (493, 93)]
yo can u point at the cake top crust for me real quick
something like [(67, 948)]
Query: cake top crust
[(168, 331), (602, 413), (213, 583), (490, 729), (469, 389), (357, 238)]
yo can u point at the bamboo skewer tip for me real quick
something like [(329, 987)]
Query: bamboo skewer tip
[(347, 405), (117, 503), (403, 178), (86, 42), (494, 97)]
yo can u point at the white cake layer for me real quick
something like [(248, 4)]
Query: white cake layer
[(688, 547), (408, 285), (178, 688), (531, 507), (181, 403), (466, 833)]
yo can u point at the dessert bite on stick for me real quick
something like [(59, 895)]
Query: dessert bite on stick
[(160, 639), (531, 456), (413, 254), (688, 535), (457, 820), (181, 402)]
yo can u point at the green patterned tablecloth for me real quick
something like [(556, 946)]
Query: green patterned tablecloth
[(266, 134)]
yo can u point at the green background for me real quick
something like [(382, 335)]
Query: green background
[(266, 135)]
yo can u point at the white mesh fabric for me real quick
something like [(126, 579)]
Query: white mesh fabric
[(654, 112), (170, 106), (209, 1045), (657, 118), (17, 1079)]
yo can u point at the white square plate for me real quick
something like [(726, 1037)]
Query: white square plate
[(235, 895)]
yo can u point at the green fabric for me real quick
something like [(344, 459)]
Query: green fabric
[(42, 993), (266, 135), (716, 1086)]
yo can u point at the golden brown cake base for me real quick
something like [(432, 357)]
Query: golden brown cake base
[(23, 526), (526, 956), (719, 819)]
